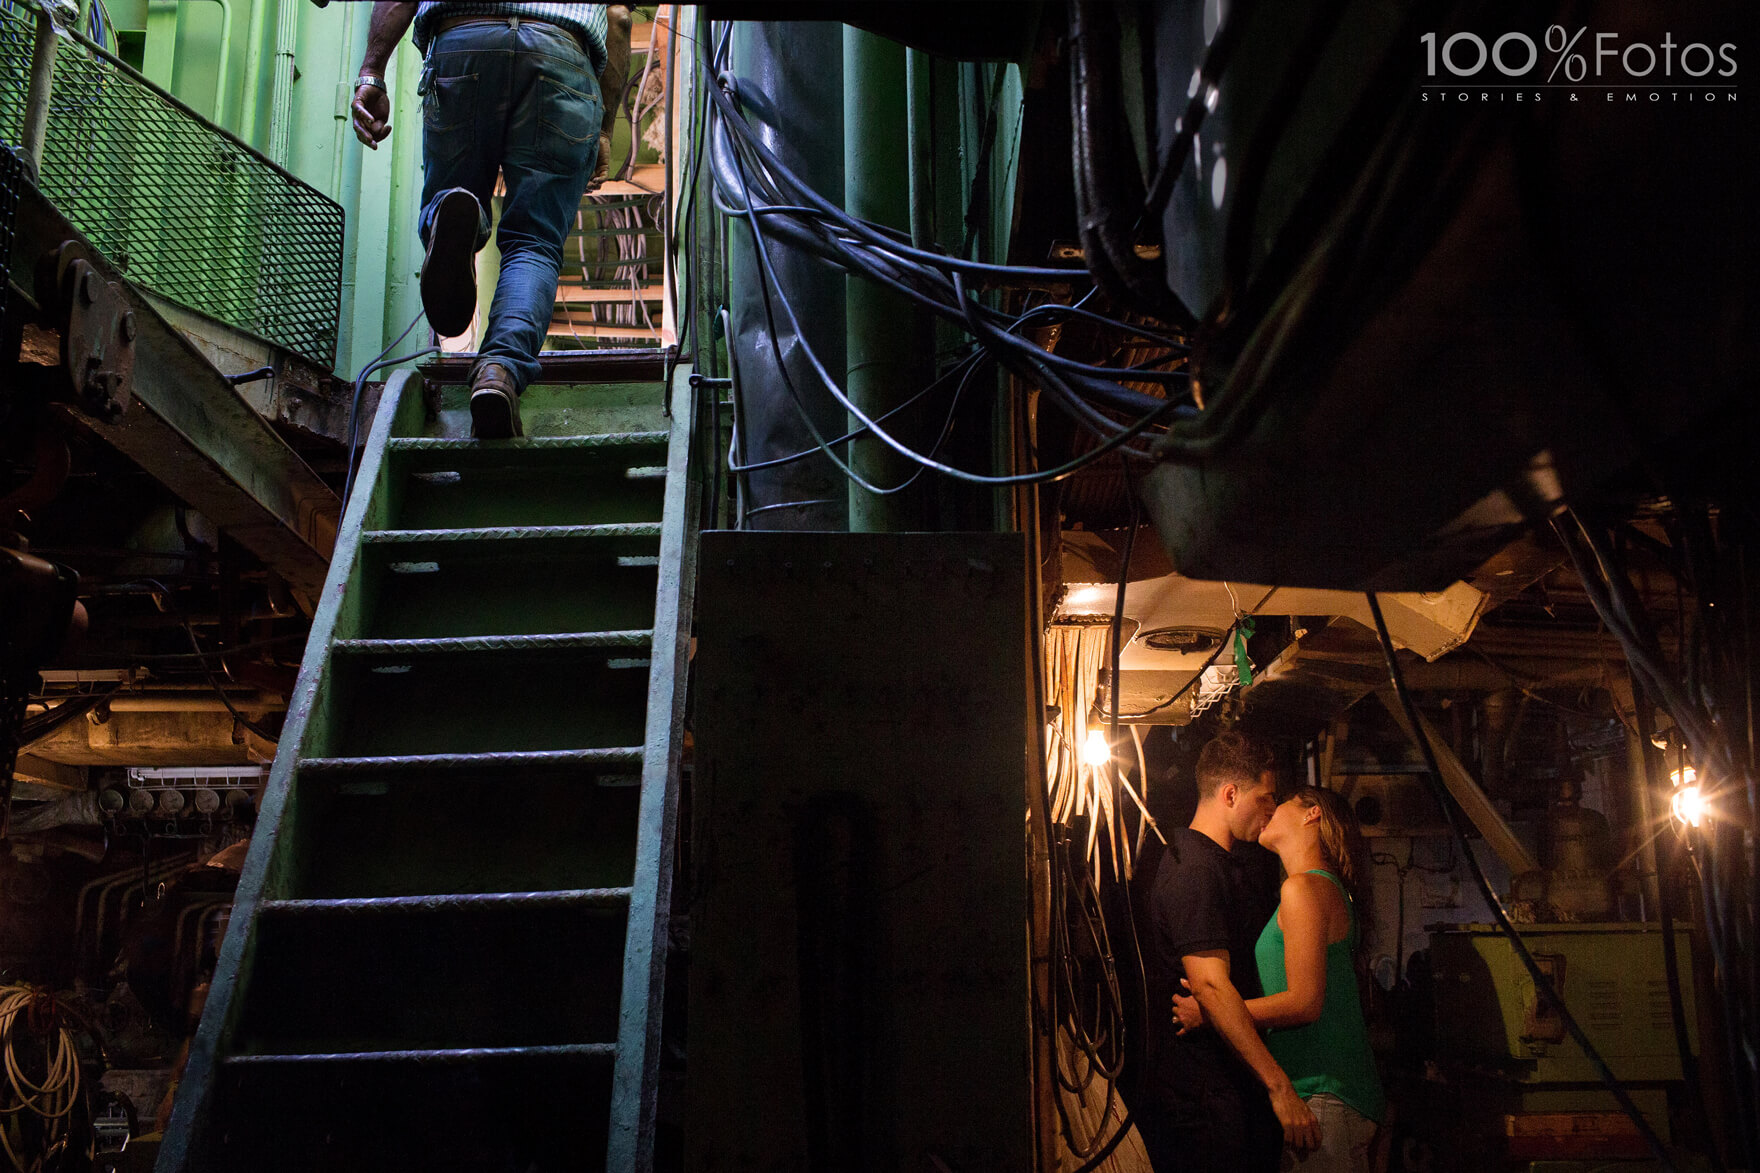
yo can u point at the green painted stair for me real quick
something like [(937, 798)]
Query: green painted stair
[(449, 940)]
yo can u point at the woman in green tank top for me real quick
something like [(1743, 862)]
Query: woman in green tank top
[(1311, 1006)]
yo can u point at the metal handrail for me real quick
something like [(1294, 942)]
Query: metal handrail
[(278, 277)]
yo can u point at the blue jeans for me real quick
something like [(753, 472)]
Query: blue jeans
[(519, 97)]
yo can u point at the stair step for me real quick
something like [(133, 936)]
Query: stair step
[(415, 763), (542, 1108), (465, 702), (510, 533), (560, 641), (567, 408), (431, 1056), (553, 827), (418, 975), (544, 480), (449, 902), (610, 440), (569, 584)]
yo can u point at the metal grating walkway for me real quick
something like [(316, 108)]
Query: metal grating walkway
[(180, 206)]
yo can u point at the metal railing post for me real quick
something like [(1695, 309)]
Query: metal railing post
[(36, 105)]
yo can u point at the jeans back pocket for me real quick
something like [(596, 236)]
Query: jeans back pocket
[(450, 103)]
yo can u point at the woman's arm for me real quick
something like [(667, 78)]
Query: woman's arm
[(1303, 915)]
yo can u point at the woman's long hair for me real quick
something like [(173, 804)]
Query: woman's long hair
[(1341, 838), (1341, 841)]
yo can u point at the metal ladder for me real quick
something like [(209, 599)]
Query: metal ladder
[(448, 946)]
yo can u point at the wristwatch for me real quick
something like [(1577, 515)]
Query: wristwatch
[(367, 79)]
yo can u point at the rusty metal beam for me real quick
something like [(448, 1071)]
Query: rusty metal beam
[(153, 739), (197, 435), (1466, 791)]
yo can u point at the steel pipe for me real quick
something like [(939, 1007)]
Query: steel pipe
[(888, 341)]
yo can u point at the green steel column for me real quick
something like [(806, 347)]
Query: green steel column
[(371, 255), (281, 84), (257, 44), (918, 82), (888, 354), (159, 55), (403, 254), (223, 64)]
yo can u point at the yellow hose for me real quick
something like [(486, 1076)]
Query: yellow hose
[(54, 1097)]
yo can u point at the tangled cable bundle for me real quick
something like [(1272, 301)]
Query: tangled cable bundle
[(42, 1077)]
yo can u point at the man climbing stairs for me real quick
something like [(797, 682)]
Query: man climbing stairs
[(448, 943)]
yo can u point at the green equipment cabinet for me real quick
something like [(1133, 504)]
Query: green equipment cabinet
[(1488, 1012), (1507, 1049)]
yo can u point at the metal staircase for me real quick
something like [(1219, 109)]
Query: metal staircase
[(449, 939)]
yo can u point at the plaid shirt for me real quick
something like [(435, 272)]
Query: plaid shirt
[(586, 21)]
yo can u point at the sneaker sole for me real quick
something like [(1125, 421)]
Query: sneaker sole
[(493, 417), (449, 272)]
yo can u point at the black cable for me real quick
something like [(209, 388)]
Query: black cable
[(1739, 1059), (751, 513), (164, 593), (272, 738), (1670, 961), (77, 705), (1542, 984), (1139, 1052), (1614, 599), (947, 302), (878, 234), (852, 434), (1124, 1130), (886, 269), (1028, 361), (767, 278), (1035, 360), (354, 410)]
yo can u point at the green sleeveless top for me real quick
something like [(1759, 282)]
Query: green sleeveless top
[(1330, 1054)]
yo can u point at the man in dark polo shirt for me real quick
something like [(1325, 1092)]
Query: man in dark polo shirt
[(1215, 1100)]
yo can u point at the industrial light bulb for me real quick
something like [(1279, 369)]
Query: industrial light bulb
[(1685, 776), (1688, 805), (1095, 751)]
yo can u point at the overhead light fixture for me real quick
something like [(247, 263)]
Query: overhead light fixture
[(1095, 751), (1687, 801), (1688, 805)]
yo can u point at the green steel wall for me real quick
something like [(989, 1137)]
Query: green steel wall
[(306, 128)]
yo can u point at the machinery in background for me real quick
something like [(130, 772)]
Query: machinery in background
[(1524, 1082), (1527, 1086)]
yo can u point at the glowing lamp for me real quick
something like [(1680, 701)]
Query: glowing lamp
[(1688, 804), (1095, 751)]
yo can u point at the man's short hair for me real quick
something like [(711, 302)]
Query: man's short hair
[(1232, 757)]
